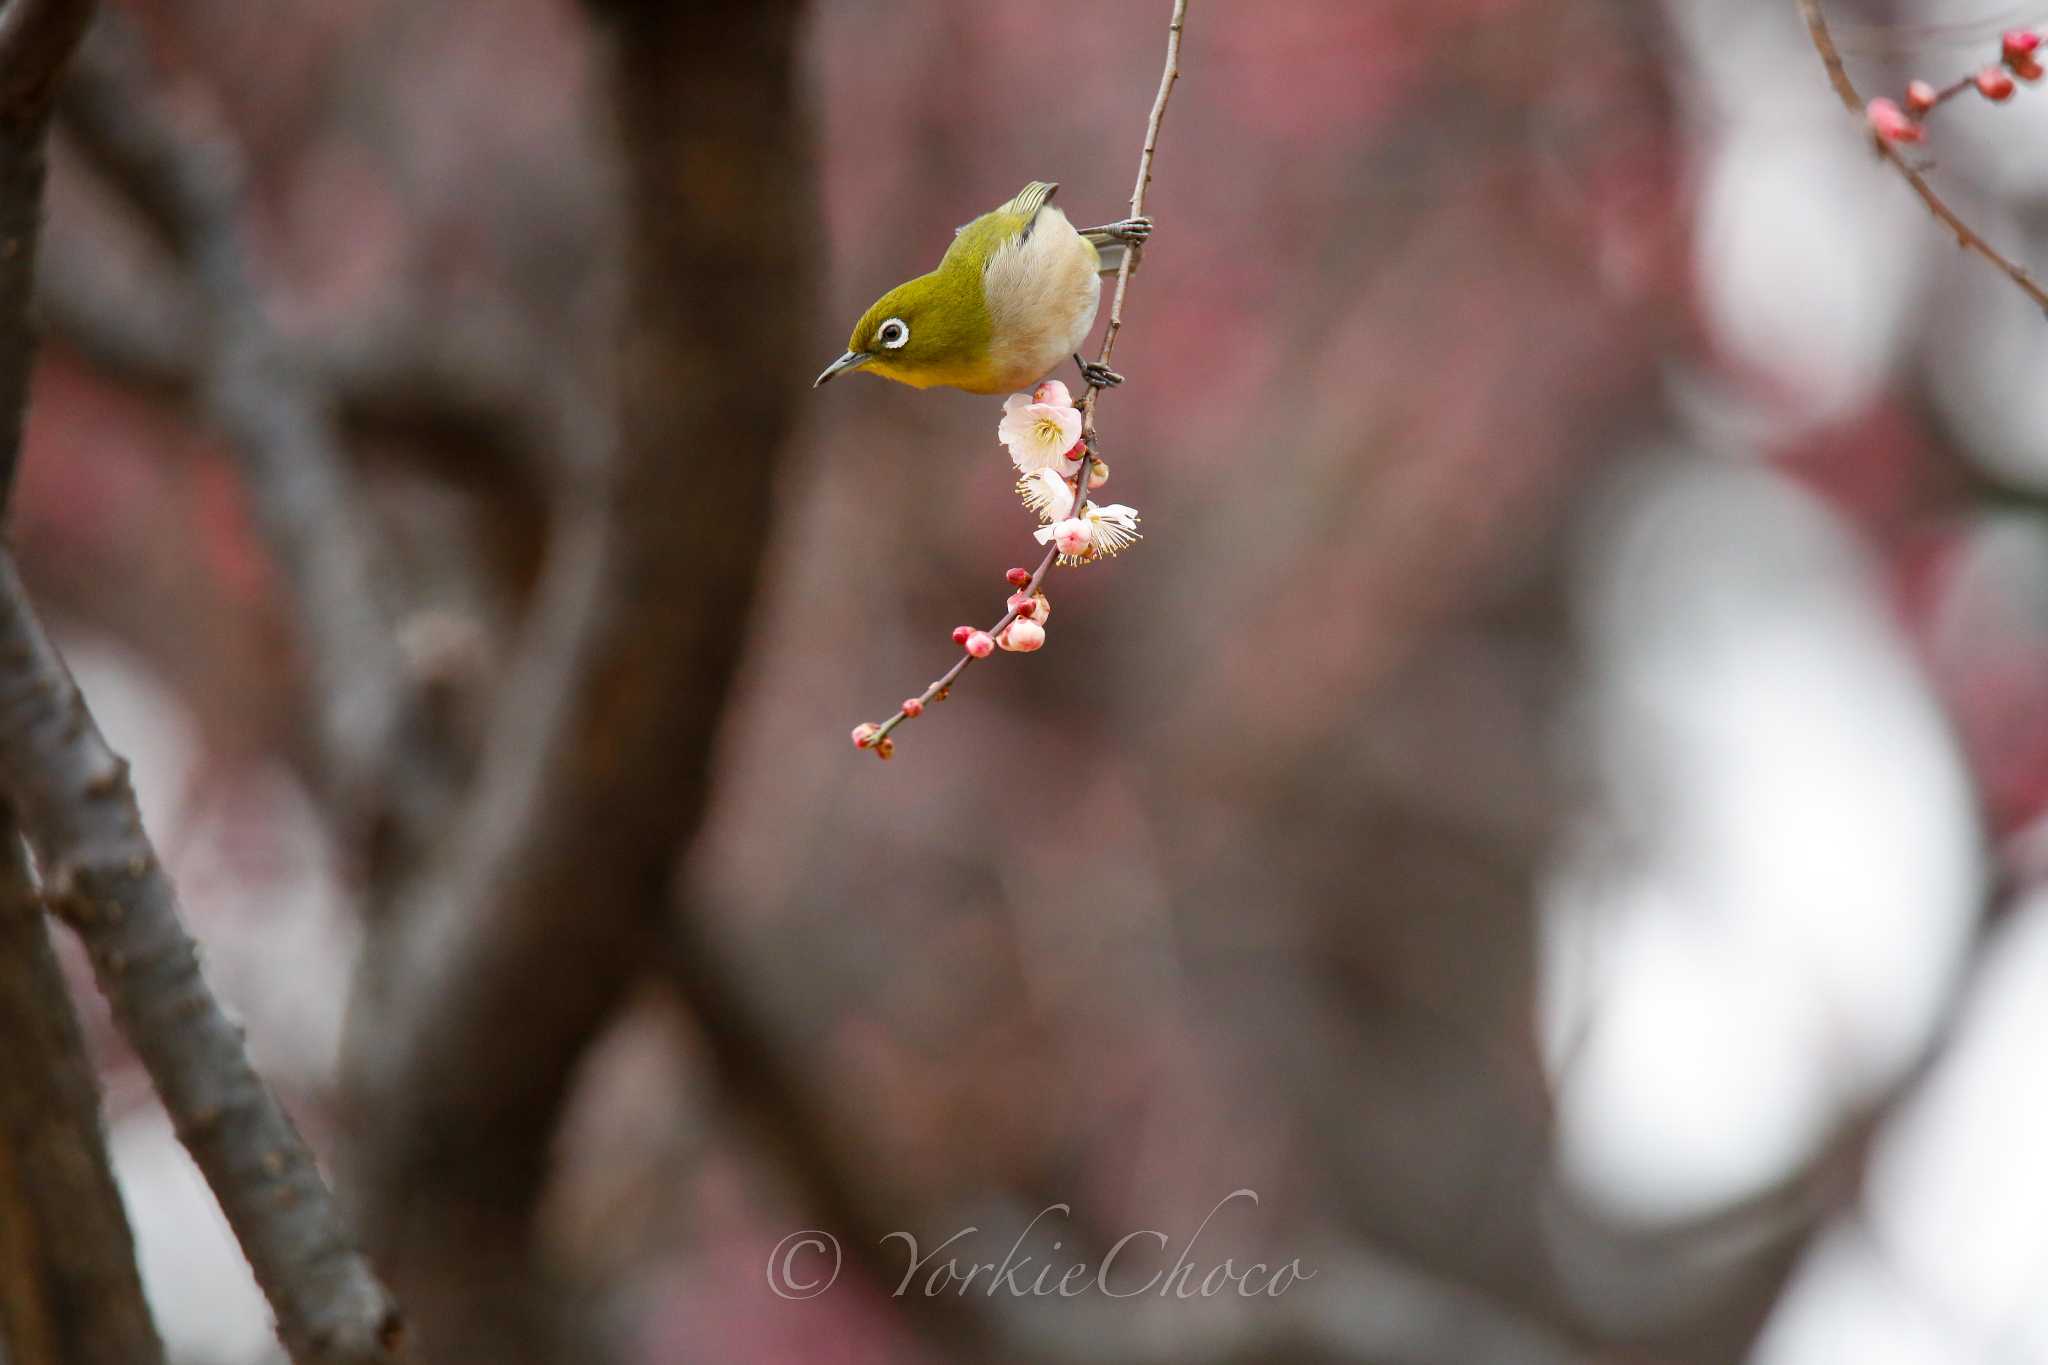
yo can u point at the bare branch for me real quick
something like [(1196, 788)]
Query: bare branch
[(37, 37), (189, 180), (36, 40), (78, 809), (475, 376), (1167, 78), (519, 940), (69, 1291)]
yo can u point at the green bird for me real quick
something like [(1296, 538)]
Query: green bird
[(1015, 295)]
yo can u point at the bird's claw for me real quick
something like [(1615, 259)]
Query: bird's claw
[(1131, 231), (1099, 376)]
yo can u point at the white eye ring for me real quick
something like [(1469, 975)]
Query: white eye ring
[(894, 334)]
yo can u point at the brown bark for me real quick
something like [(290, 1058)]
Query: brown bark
[(511, 952), (69, 1291), (103, 878)]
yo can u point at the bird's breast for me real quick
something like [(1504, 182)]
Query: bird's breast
[(1042, 291)]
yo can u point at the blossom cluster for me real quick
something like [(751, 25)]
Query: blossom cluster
[(2019, 56), (1045, 433)]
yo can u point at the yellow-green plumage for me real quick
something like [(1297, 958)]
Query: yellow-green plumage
[(1015, 294)]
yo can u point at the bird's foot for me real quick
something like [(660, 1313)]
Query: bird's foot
[(1098, 375), (1130, 231)]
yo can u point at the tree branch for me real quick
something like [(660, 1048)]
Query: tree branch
[(517, 944), (36, 40), (78, 809), (187, 176), (69, 1291)]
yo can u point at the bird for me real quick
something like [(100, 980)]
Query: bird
[(1015, 296)]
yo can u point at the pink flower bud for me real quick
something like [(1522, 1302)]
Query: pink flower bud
[(2026, 68), (1018, 577), (979, 644), (913, 708), (1044, 612), (1053, 392), (1994, 85), (1921, 97), (2019, 42), (1891, 122), (1022, 605), (864, 734), (1076, 451), (1023, 636), (1098, 473), (1073, 536), (960, 634)]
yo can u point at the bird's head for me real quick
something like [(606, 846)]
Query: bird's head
[(934, 329)]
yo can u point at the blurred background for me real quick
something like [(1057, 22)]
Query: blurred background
[(1554, 805)]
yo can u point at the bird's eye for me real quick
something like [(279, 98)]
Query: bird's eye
[(893, 334)]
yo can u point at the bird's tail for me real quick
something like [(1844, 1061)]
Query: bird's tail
[(1031, 199)]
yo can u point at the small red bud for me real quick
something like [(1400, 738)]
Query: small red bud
[(2019, 42), (1921, 97), (1891, 122), (1022, 605), (960, 634), (864, 734), (913, 708), (979, 644), (1018, 577), (1994, 85), (886, 749), (2026, 68), (1076, 451)]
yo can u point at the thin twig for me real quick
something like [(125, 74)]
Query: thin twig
[(102, 878), (1129, 263), (1966, 237), (941, 686)]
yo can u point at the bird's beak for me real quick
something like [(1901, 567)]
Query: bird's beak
[(850, 361)]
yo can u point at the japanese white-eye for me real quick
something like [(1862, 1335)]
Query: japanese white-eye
[(1014, 297)]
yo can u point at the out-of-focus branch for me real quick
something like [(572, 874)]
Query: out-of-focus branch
[(461, 376), (37, 38), (1966, 237), (187, 177), (518, 943), (69, 1291), (102, 877), (36, 41), (1359, 1305)]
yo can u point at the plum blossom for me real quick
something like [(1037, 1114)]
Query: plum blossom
[(1022, 637), (1099, 531), (1040, 428), (1071, 536), (1047, 494)]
